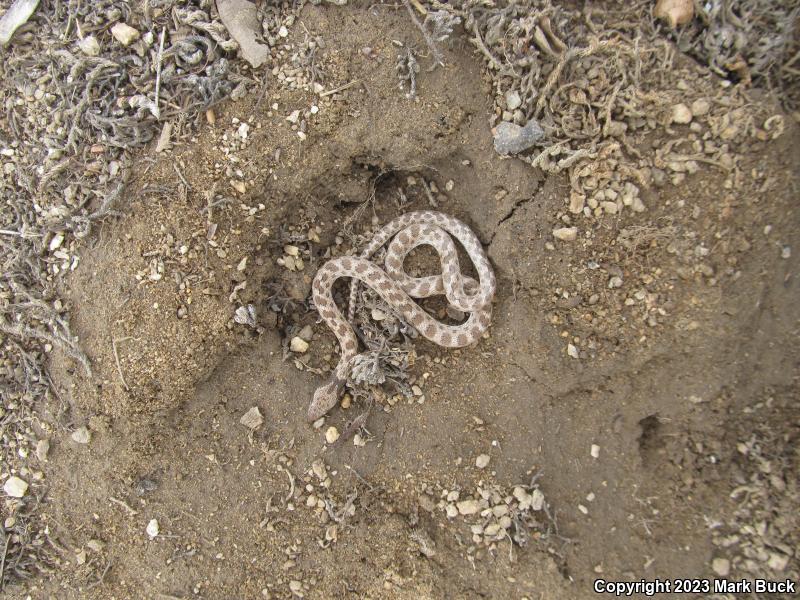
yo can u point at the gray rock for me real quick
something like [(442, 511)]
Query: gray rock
[(510, 138), (513, 101)]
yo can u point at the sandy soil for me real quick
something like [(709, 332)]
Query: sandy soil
[(684, 380)]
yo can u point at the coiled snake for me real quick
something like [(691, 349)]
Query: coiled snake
[(397, 289)]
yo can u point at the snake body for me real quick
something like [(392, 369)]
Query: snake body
[(398, 289)]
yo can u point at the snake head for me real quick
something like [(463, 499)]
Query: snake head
[(325, 398)]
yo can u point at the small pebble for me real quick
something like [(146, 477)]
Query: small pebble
[(681, 114), (609, 207), (566, 234), (331, 435), (537, 500), (513, 101), (721, 566), (595, 451), (572, 351), (152, 528), (15, 487), (89, 46), (81, 435), (124, 33), (510, 138), (42, 449), (252, 419), (583, 509), (482, 461), (777, 562), (467, 507), (700, 107), (786, 252), (56, 242), (298, 345)]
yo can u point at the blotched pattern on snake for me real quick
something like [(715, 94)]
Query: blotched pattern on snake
[(397, 289)]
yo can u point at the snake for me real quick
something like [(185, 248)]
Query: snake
[(398, 290)]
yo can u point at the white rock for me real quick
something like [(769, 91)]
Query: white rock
[(500, 510), (595, 451), (609, 207), (700, 107), (294, 116), (721, 566), (467, 507), (243, 130), (81, 435), (331, 435), (482, 461), (537, 499), (576, 203), (42, 448), (298, 344), (681, 114), (521, 495), (513, 101), (777, 562), (152, 528), (572, 351), (56, 242), (283, 32), (252, 419), (89, 46), (124, 33), (15, 487), (451, 511), (583, 509), (566, 234)]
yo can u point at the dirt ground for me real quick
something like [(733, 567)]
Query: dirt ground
[(643, 377)]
